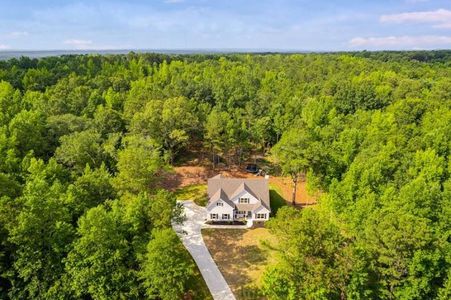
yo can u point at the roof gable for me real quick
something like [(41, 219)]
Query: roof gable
[(243, 188), (220, 195), (231, 187)]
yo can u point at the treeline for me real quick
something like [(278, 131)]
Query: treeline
[(84, 140)]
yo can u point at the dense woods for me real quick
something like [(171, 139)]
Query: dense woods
[(85, 138)]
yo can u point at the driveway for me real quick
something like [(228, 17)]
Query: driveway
[(190, 234)]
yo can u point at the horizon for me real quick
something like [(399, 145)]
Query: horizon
[(37, 54), (267, 25)]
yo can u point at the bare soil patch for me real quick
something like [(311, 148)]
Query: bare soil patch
[(185, 176), (284, 186)]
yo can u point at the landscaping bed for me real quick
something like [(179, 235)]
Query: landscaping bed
[(241, 223)]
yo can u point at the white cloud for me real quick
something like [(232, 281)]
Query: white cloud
[(440, 18), (79, 44), (4, 47), (402, 42)]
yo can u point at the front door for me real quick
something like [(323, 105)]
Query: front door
[(249, 214)]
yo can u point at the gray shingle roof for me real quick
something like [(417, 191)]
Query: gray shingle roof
[(230, 187), (220, 194)]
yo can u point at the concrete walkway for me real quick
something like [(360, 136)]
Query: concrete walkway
[(190, 234)]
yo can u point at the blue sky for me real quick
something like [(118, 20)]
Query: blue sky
[(219, 24)]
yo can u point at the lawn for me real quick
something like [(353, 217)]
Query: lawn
[(276, 199), (241, 257), (195, 192)]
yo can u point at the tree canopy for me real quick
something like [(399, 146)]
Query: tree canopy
[(84, 140)]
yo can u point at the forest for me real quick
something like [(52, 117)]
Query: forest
[(84, 140)]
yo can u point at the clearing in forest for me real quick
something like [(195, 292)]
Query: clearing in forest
[(190, 183)]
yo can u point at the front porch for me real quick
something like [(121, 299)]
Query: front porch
[(242, 215)]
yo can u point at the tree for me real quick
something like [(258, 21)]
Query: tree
[(165, 210), (101, 264), (169, 122), (138, 163), (107, 120), (37, 79), (167, 266), (9, 102), (221, 132), (92, 188), (68, 95), (27, 132), (79, 149), (292, 153), (60, 125), (316, 260), (261, 132), (42, 236), (371, 130)]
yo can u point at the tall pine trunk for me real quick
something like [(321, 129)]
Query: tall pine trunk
[(295, 186)]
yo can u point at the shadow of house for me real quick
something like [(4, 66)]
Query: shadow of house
[(276, 201)]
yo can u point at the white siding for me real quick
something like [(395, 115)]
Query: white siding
[(244, 194), (261, 210), (220, 210), (225, 208)]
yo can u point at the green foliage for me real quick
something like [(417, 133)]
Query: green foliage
[(27, 132), (41, 234), (137, 165), (84, 138), (167, 267), (80, 149), (61, 125), (169, 122), (9, 102), (37, 79), (293, 152), (100, 264), (315, 258), (92, 188)]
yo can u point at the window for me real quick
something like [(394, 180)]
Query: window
[(219, 204), (214, 216), (225, 216), (241, 212), (260, 216), (243, 200)]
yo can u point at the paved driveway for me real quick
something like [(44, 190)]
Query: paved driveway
[(190, 234)]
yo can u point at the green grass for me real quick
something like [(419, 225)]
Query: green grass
[(276, 199), (195, 192)]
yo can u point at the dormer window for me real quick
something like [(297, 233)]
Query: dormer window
[(219, 204), (243, 201)]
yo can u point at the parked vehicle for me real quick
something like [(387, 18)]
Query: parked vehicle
[(252, 168)]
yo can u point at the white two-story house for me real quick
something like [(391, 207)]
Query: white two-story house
[(233, 199)]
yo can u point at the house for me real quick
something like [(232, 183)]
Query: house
[(232, 199)]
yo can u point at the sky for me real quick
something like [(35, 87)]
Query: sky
[(302, 25)]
